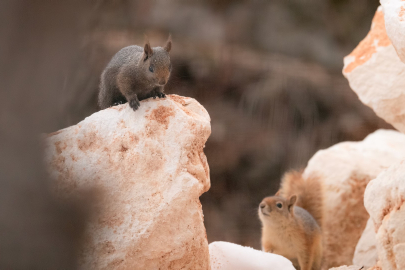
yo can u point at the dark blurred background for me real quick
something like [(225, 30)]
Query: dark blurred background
[(268, 73)]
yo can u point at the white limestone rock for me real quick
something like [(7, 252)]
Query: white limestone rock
[(346, 168), (348, 267), (384, 200), (394, 15), (228, 256), (149, 170), (366, 249), (377, 75)]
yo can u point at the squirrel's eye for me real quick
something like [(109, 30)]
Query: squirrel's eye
[(151, 69), (279, 205)]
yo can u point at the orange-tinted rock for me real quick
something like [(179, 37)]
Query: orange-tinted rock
[(148, 169), (376, 38), (376, 74)]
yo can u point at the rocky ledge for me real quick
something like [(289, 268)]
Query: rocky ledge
[(148, 170)]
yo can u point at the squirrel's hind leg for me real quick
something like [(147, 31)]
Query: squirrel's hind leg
[(305, 261), (152, 94), (118, 100)]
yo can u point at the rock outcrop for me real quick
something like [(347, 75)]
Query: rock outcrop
[(346, 169), (228, 256), (366, 249), (148, 169), (384, 200), (377, 75)]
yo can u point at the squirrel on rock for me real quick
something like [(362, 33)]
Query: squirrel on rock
[(292, 220), (134, 74)]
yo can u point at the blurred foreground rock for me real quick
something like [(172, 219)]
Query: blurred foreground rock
[(346, 267), (228, 256), (149, 170), (376, 74), (384, 199), (366, 249), (346, 168)]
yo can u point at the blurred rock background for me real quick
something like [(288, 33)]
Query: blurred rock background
[(268, 72)]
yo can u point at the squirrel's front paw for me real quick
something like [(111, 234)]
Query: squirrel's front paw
[(134, 104), (161, 95)]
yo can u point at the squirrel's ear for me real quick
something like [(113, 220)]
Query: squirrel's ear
[(291, 202), (168, 45), (148, 50), (277, 193)]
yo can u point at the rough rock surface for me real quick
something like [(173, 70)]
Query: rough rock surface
[(384, 200), (149, 169), (346, 168), (394, 15), (377, 75), (366, 249), (228, 256)]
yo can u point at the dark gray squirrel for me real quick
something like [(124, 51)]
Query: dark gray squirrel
[(135, 73)]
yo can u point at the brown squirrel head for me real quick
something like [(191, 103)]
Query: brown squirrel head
[(155, 63), (276, 209)]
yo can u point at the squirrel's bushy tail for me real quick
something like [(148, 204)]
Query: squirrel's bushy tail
[(309, 191)]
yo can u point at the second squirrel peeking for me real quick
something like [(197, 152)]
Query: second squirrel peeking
[(292, 220), (134, 74)]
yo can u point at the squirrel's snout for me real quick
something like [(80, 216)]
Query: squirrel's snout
[(162, 81), (264, 209)]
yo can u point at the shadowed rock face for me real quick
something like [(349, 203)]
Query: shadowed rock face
[(346, 168), (366, 249), (149, 169)]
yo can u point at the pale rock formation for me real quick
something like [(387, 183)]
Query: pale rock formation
[(346, 267), (148, 169), (384, 200), (377, 75), (394, 15), (366, 249), (346, 169), (228, 256)]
